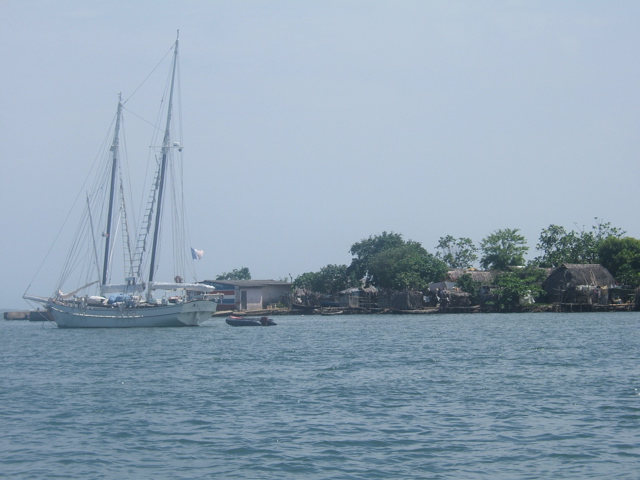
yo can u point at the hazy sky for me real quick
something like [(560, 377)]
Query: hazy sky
[(311, 125)]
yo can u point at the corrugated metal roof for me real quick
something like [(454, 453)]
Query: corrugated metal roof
[(248, 283)]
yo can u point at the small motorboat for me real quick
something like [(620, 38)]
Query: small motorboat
[(237, 321)]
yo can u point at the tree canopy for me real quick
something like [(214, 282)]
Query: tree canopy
[(621, 256), (364, 250), (517, 284), (389, 261), (407, 266), (559, 246), (457, 253), (503, 249), (236, 274), (330, 280)]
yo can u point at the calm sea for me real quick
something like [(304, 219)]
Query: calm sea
[(540, 396)]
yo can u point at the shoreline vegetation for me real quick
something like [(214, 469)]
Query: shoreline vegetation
[(596, 270), (585, 270)]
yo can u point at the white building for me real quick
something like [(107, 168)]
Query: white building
[(250, 294)]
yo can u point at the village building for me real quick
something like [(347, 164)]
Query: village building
[(577, 283), (405, 300), (358, 297), (250, 294)]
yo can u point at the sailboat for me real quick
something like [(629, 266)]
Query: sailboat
[(132, 302)]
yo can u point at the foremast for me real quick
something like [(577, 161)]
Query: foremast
[(112, 193)]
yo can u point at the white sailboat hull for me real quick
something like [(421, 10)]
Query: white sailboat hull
[(188, 314)]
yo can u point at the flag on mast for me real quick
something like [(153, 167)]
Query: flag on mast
[(196, 254)]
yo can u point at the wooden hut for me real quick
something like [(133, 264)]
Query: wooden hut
[(575, 283), (407, 300), (362, 298)]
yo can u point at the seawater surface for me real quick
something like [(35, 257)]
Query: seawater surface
[(526, 396)]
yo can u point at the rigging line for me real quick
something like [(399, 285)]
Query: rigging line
[(179, 102), (112, 252), (125, 167), (157, 129), (178, 178), (155, 134), (93, 236), (150, 73), (155, 126), (178, 219), (84, 230), (100, 153), (74, 252)]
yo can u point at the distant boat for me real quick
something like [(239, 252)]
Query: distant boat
[(238, 321), (132, 302)]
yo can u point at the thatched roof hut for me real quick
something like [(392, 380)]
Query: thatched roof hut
[(486, 278), (566, 279)]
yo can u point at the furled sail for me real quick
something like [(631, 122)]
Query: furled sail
[(61, 295)]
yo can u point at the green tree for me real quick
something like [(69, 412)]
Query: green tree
[(331, 279), (503, 249), (364, 250), (467, 284), (559, 246), (457, 253), (407, 266), (517, 284), (621, 256), (590, 241), (306, 281), (236, 274)]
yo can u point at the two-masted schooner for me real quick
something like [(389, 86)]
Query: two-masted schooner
[(132, 302)]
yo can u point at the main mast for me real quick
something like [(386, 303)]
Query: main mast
[(114, 171), (166, 145)]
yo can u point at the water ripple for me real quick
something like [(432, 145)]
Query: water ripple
[(363, 397)]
